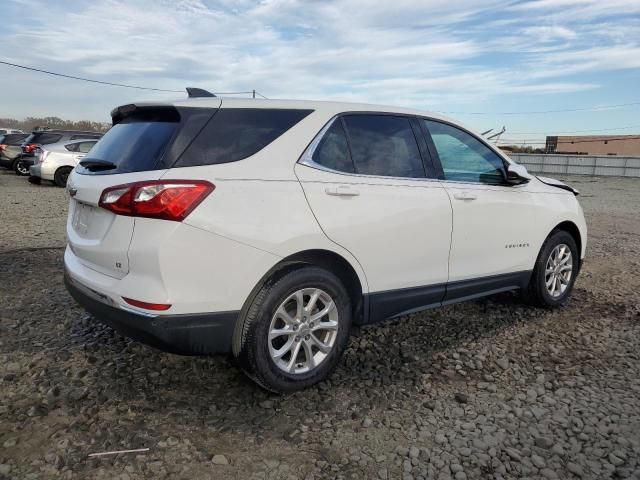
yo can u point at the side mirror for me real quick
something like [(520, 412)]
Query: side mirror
[(517, 174)]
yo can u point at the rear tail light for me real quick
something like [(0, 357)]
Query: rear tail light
[(3, 146), (162, 199), (30, 147)]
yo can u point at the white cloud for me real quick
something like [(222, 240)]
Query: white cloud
[(432, 53)]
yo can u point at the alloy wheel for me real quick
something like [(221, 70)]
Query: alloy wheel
[(303, 331), (558, 271)]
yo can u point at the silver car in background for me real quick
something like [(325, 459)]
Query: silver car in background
[(55, 161)]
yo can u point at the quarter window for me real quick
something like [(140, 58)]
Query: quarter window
[(384, 145), (233, 134), (333, 150), (463, 157)]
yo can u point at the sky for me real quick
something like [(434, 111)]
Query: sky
[(485, 63)]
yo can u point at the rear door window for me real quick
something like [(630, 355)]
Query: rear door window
[(233, 134), (384, 145)]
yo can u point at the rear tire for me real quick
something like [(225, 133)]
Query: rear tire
[(295, 329), (555, 271), (61, 176), (21, 168)]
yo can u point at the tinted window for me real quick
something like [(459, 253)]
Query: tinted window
[(463, 157), (133, 145), (45, 138), (78, 137), (14, 138), (72, 147), (236, 133), (333, 150), (84, 147), (384, 145)]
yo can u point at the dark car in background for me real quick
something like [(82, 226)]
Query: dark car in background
[(10, 148), (46, 137)]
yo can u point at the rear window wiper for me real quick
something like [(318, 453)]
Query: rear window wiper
[(94, 165)]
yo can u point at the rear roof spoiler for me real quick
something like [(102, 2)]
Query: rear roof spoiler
[(150, 112), (194, 92)]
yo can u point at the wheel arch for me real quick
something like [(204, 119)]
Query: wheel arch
[(327, 259), (573, 230)]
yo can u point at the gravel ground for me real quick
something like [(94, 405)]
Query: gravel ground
[(487, 389)]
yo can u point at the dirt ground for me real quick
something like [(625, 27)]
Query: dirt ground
[(486, 389)]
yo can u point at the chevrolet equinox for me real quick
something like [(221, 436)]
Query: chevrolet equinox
[(266, 228)]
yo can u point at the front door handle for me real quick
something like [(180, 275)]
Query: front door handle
[(465, 196), (342, 191)]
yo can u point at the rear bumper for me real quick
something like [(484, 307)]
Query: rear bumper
[(186, 334)]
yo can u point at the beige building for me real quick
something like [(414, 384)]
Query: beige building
[(623, 145)]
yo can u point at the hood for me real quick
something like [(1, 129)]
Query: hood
[(558, 184)]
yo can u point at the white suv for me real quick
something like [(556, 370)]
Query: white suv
[(266, 228)]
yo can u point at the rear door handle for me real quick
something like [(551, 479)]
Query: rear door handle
[(464, 196), (342, 191)]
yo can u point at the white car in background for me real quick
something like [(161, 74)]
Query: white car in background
[(55, 161), (266, 228)]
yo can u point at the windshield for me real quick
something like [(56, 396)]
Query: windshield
[(132, 146)]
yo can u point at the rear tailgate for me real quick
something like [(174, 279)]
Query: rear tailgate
[(99, 238), (139, 147)]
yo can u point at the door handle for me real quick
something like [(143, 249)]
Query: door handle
[(342, 191), (465, 196)]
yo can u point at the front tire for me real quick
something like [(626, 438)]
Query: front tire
[(555, 271), (295, 330)]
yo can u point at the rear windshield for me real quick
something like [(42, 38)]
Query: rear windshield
[(13, 138), (236, 133), (43, 138), (133, 145)]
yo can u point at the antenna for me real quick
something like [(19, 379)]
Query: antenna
[(194, 92)]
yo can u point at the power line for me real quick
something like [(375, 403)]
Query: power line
[(113, 84), (532, 141), (577, 131), (595, 108), (88, 79)]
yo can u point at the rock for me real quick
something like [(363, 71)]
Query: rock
[(11, 442), (440, 439), (538, 461), (5, 469), (414, 452), (615, 460), (513, 454), (266, 404), (548, 473), (367, 422), (219, 459), (544, 442), (461, 397), (503, 363), (383, 474), (402, 451), (575, 469)]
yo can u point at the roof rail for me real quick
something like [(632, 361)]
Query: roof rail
[(194, 92)]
